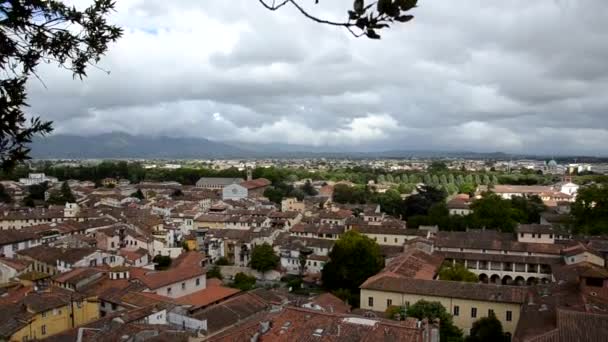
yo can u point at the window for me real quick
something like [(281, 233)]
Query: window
[(43, 330), (456, 310), (198, 281), (550, 236), (168, 290), (509, 316), (370, 301), (183, 286), (407, 305), (15, 247), (385, 239), (473, 312), (490, 312), (395, 240), (389, 303), (521, 235)]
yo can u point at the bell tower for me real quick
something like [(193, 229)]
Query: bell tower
[(249, 174)]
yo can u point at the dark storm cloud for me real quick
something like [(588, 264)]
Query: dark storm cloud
[(483, 75)]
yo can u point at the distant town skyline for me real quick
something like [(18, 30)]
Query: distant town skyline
[(516, 77)]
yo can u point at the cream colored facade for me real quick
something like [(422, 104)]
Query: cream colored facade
[(390, 239), (461, 309), (585, 256), (536, 238), (210, 224), (292, 204)]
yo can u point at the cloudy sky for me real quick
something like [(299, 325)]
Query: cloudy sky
[(514, 76)]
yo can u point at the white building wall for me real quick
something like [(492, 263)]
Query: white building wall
[(234, 192), (183, 288), (536, 238)]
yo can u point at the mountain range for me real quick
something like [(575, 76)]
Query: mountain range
[(122, 145)]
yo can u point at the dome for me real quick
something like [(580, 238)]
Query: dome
[(552, 163)]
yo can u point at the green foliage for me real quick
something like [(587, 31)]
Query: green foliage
[(434, 310), (63, 196), (486, 329), (366, 19), (457, 272), (351, 194), (281, 190), (4, 196), (185, 246), (406, 188), (467, 188), (223, 261), (590, 210), (215, 272), (420, 203), (309, 189), (162, 262), (353, 259), (263, 258), (243, 282), (36, 193), (32, 32), (395, 312), (138, 194), (493, 212), (29, 202), (437, 166)]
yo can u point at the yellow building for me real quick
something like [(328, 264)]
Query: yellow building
[(42, 314), (411, 277), (467, 302)]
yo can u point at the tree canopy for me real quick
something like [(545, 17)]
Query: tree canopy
[(457, 272), (448, 332), (243, 282), (365, 19), (263, 258), (353, 259), (4, 195), (486, 329), (421, 203), (138, 194), (590, 210), (32, 32), (63, 196)]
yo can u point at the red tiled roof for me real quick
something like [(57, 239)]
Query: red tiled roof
[(297, 324), (187, 266), (212, 294), (256, 183), (18, 265)]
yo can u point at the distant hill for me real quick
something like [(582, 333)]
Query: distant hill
[(121, 145)]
